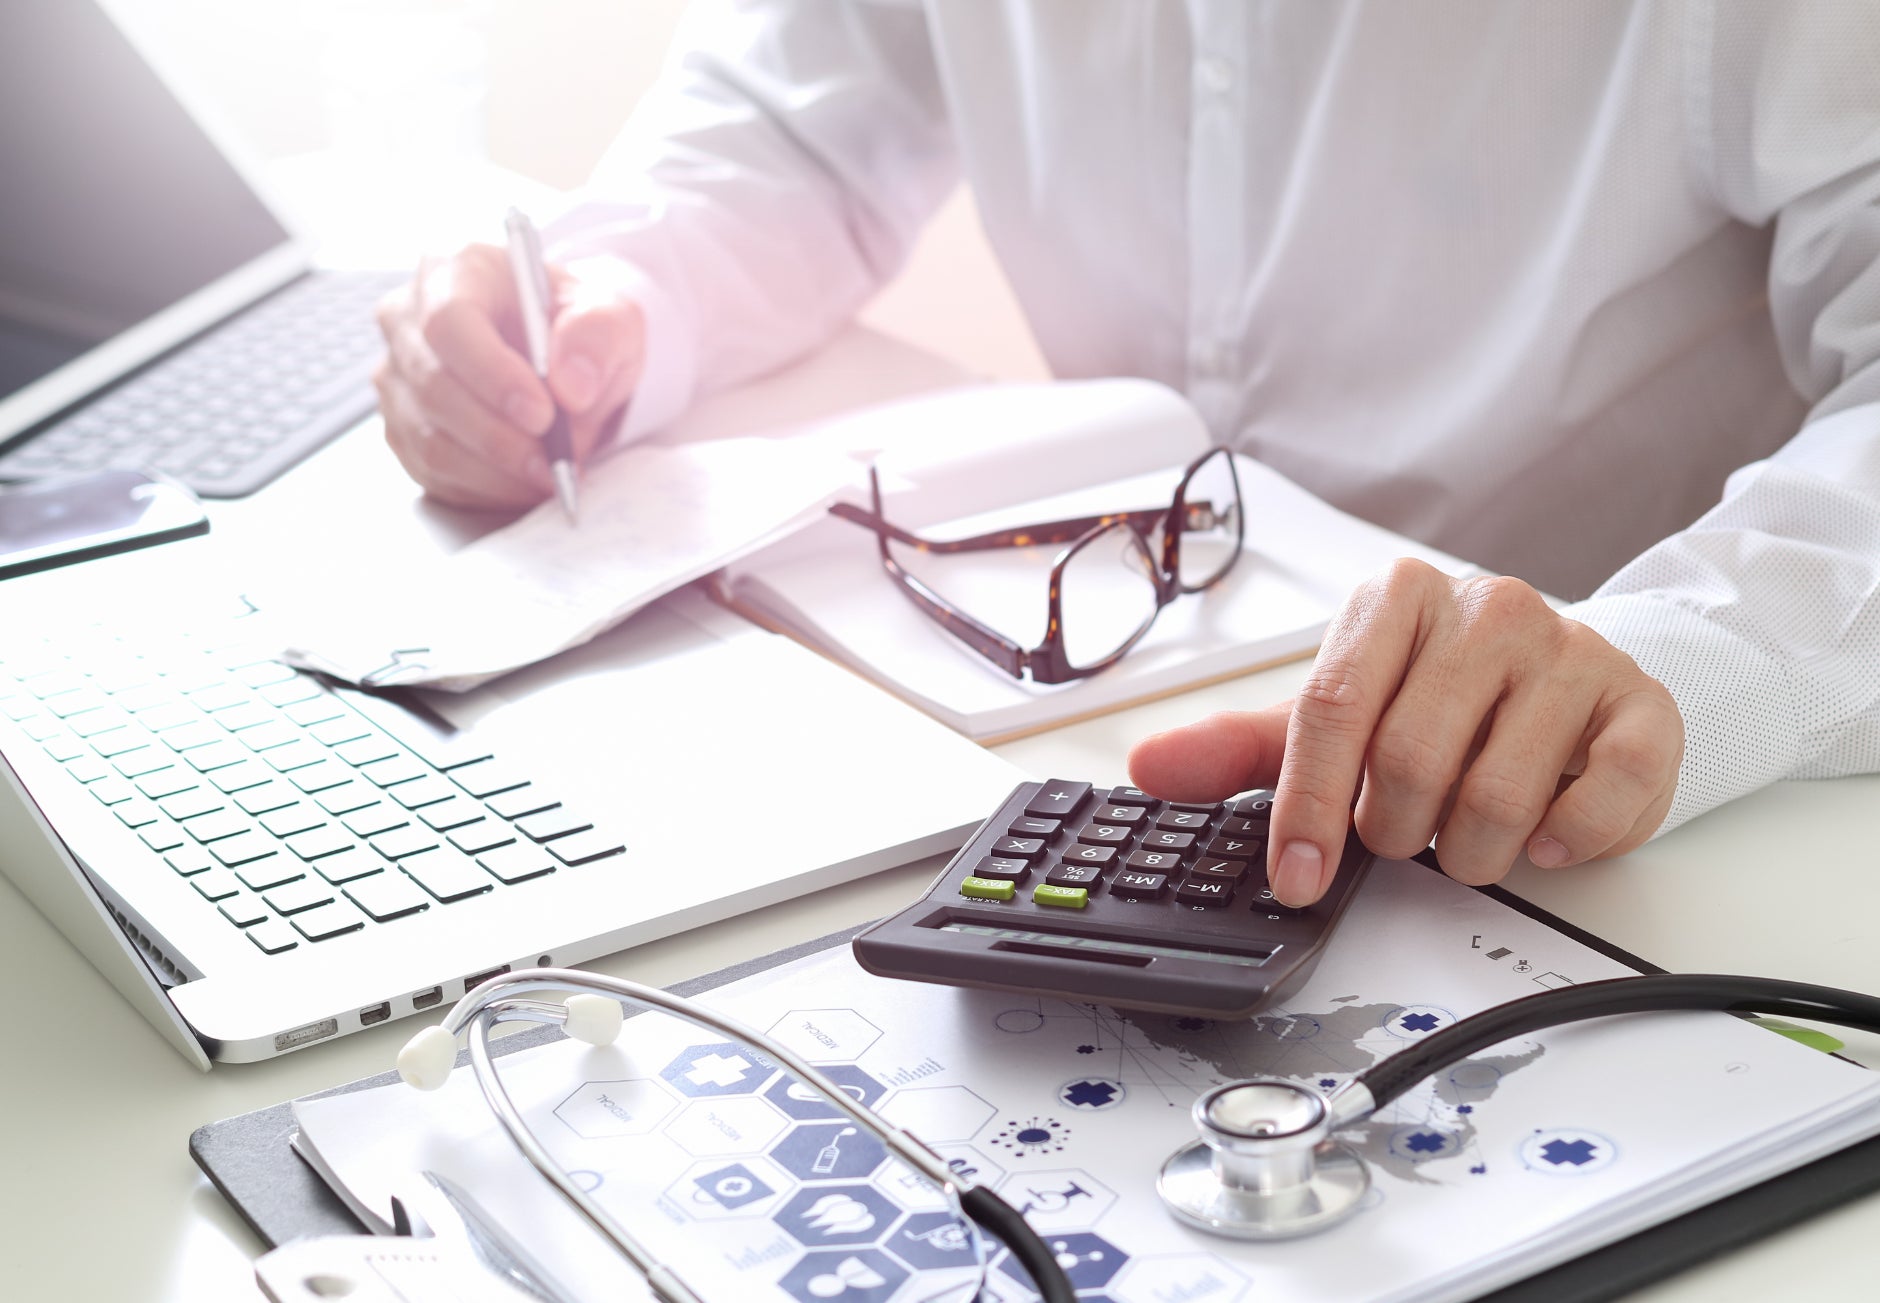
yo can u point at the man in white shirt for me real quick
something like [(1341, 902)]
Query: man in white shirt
[(1552, 287)]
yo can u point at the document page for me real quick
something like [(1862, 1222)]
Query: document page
[(1530, 1153), (651, 519)]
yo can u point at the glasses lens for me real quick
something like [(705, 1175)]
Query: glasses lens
[(1210, 540), (1108, 595)]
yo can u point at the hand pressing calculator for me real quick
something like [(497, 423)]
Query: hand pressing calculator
[(1109, 896)]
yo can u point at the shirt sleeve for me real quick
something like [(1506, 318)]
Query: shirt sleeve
[(1763, 618), (769, 183)]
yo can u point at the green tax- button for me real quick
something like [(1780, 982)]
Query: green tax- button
[(1062, 897), (987, 888)]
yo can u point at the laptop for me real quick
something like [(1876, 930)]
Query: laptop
[(260, 861), (155, 311)]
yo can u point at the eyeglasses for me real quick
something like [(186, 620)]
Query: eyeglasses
[(1105, 589)]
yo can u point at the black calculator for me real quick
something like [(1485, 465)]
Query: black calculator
[(1109, 896)]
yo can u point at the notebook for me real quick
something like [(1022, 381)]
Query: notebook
[(156, 312), (259, 862)]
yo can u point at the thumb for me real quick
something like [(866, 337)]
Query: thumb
[(1213, 758)]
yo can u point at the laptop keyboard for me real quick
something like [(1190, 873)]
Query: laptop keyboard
[(236, 407), (291, 808)]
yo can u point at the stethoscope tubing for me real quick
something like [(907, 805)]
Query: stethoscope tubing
[(1647, 993)]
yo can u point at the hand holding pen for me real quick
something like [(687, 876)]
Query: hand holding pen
[(532, 300), (466, 407)]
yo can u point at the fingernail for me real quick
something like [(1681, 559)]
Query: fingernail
[(580, 383), (1299, 877), (1548, 853), (525, 411)]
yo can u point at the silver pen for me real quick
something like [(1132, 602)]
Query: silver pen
[(532, 295)]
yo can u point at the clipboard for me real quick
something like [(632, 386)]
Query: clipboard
[(249, 1160)]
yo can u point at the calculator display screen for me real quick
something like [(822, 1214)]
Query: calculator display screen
[(1105, 945)]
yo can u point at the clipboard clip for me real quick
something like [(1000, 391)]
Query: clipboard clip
[(442, 1246)]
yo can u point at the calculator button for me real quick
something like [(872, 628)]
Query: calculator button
[(1209, 868), (1154, 861), (1130, 796), (1101, 856), (1139, 886), (1265, 902), (1175, 820), (1025, 826), (1019, 848), (1074, 875), (1061, 897), (1103, 834), (997, 866), (1234, 848), (987, 889), (1243, 828), (1209, 808), (1125, 814), (1168, 841), (1254, 807), (1057, 800), (1205, 891)]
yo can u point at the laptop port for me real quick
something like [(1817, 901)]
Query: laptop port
[(377, 1013), (425, 999), (475, 980), (300, 1036)]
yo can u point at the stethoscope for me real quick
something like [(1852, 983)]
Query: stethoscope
[(1266, 1165)]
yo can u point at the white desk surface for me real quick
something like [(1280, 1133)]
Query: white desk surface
[(100, 1200)]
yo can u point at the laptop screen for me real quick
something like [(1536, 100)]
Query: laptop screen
[(115, 207)]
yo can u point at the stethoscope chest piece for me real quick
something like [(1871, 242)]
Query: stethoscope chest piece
[(1265, 1167)]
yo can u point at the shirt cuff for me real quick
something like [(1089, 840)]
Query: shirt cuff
[(1741, 706)]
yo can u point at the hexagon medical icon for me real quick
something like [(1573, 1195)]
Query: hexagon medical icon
[(615, 1108), (837, 1214), (721, 1068), (805, 1102), (825, 1035)]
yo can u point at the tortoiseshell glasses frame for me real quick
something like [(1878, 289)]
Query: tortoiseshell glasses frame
[(1049, 662)]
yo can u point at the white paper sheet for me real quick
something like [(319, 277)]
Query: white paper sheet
[(651, 519), (1530, 1153)]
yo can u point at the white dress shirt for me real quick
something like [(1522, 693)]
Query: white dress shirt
[(1551, 287)]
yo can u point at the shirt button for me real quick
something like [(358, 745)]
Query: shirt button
[(1214, 75)]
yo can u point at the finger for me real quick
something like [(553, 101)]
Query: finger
[(1212, 758), (1356, 675), (1508, 787), (462, 302), (440, 465), (1623, 795), (1422, 745), (483, 447), (596, 353)]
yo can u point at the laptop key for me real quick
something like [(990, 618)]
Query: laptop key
[(452, 812), (420, 792), (319, 842), (366, 750), (291, 820), (583, 847), (324, 922), (243, 910), (516, 862), (217, 824), (486, 778), (348, 865), (242, 848), (480, 835), (269, 872), (386, 896), (322, 775), (238, 777), (339, 730), (402, 842), (144, 760), (317, 709), (524, 800), (348, 796), (301, 894), (215, 884), (379, 817), (551, 824), (166, 782), (272, 936), (189, 861), (193, 803), (447, 875), (162, 837), (137, 812), (264, 797), (111, 791), (394, 770)]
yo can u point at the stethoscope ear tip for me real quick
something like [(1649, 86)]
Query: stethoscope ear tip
[(595, 1019), (428, 1057)]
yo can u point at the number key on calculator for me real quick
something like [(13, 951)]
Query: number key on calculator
[(1109, 896)]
